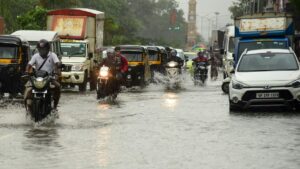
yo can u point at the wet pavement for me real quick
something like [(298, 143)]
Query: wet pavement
[(151, 129)]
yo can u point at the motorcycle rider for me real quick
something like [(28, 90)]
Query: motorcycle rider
[(201, 58), (46, 61), (117, 62), (173, 57)]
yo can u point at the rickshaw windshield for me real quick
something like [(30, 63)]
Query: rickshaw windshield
[(153, 56), (133, 56), (8, 51)]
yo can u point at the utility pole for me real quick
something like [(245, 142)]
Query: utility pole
[(217, 14), (192, 29)]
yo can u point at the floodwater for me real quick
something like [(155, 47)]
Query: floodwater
[(151, 128)]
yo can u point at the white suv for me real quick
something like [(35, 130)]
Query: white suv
[(267, 77)]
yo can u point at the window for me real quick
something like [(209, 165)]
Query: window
[(268, 62), (8, 52), (133, 56)]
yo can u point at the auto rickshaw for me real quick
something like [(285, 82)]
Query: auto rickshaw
[(138, 65), (14, 56), (157, 58)]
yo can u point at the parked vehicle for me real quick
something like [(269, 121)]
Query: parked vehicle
[(267, 77), (81, 33), (139, 73), (42, 100), (107, 84), (33, 37), (263, 31), (14, 56)]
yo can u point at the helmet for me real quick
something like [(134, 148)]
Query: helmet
[(43, 47), (173, 53), (200, 53), (118, 48), (43, 44), (110, 52)]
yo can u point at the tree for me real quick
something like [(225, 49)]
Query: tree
[(238, 8), (34, 19)]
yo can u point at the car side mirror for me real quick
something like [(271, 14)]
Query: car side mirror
[(90, 56), (222, 51), (232, 71)]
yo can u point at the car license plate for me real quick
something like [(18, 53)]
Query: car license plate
[(267, 95)]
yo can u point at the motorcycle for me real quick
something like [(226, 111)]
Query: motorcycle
[(200, 72), (107, 85), (42, 97), (173, 72)]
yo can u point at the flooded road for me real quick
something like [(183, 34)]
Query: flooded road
[(148, 129)]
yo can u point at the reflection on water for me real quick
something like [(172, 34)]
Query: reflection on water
[(104, 136), (104, 106), (170, 100), (41, 138)]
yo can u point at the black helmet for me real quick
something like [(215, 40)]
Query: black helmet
[(43, 47), (43, 43), (173, 53), (118, 48)]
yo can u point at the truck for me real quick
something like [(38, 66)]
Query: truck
[(81, 34), (2, 25), (263, 31)]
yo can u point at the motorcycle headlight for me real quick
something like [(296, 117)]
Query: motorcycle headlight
[(39, 83), (295, 84), (237, 85), (104, 71), (172, 64), (78, 67)]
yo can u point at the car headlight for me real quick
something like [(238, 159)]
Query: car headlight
[(295, 84), (104, 71), (39, 83), (78, 67), (172, 64), (237, 85)]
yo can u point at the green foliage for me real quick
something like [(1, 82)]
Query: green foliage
[(127, 21), (33, 20), (238, 8), (296, 3)]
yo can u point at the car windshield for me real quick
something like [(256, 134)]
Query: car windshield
[(261, 45), (74, 49), (231, 45), (133, 56), (8, 52), (268, 62), (153, 55), (190, 55)]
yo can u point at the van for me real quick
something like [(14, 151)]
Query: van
[(33, 37)]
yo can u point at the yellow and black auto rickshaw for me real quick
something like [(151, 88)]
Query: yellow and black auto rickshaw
[(157, 58), (138, 65), (14, 56)]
